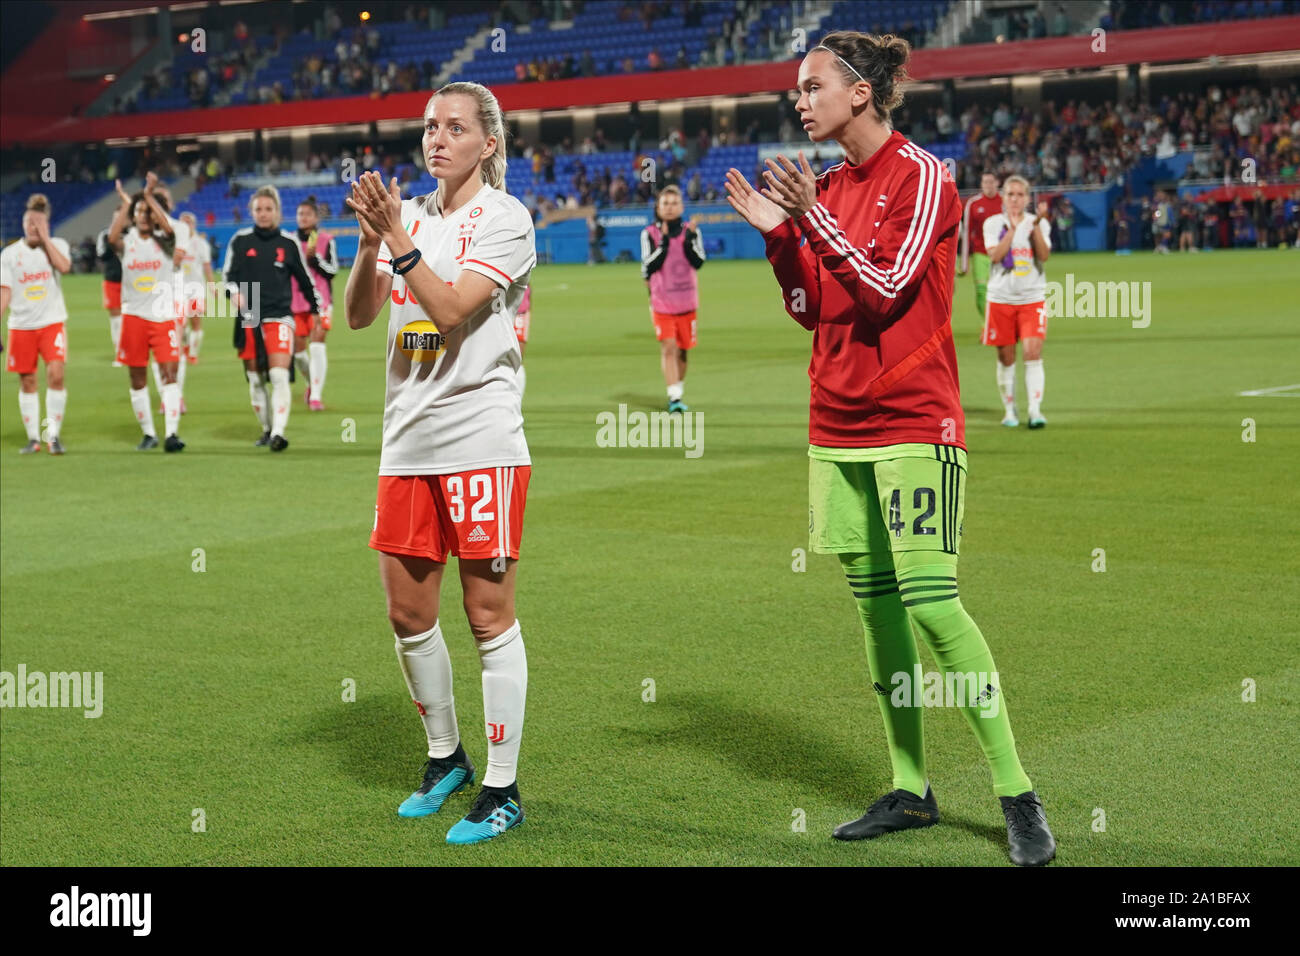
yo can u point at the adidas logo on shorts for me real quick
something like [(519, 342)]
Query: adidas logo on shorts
[(478, 534)]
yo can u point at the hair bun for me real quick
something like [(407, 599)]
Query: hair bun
[(897, 50)]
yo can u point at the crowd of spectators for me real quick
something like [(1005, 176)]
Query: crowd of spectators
[(1143, 14), (1078, 144), (1164, 223)]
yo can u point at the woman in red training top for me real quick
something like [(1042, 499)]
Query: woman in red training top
[(865, 255)]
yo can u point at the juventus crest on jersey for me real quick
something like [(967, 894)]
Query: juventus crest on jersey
[(453, 399)]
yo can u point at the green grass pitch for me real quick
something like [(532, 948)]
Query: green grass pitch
[(223, 690)]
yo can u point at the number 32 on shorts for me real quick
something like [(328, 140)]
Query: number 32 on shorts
[(480, 492)]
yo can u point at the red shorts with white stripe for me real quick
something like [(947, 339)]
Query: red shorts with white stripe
[(521, 326), (1009, 324), (140, 336), (680, 325), (49, 342), (473, 514), (113, 297), (276, 336)]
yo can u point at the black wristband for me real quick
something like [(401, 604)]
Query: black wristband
[(404, 264)]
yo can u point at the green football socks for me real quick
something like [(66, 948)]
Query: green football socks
[(891, 649), (922, 595), (927, 584)]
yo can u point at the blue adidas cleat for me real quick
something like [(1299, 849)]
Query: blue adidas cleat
[(1037, 421), (442, 777), (1010, 421), (677, 405), (496, 810)]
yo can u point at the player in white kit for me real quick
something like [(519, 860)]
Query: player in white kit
[(195, 272), (150, 321), (31, 293), (1018, 244), (454, 466), (196, 269)]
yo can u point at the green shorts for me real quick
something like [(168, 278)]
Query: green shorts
[(979, 270), (907, 497)]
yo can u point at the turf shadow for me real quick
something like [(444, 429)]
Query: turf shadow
[(765, 744), (372, 741)]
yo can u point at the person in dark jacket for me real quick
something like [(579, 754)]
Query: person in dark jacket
[(260, 263)]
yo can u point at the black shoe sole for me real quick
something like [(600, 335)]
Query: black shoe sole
[(1049, 859), (841, 832)]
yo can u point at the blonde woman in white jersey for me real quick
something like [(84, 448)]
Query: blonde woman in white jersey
[(454, 467), (31, 291)]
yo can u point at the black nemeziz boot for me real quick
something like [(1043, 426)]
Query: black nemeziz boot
[(897, 810), (1031, 842)]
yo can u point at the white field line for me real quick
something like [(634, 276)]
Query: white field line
[(1277, 391)]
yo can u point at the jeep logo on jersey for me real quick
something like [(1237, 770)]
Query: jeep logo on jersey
[(420, 341)]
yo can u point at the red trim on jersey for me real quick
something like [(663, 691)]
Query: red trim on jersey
[(492, 267)]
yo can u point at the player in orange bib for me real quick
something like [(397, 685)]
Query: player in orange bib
[(671, 253), (320, 253), (31, 293), (454, 466)]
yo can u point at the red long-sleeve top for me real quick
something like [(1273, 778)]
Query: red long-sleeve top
[(869, 269)]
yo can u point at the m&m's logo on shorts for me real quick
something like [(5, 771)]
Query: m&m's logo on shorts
[(420, 341)]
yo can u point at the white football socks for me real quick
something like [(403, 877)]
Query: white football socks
[(302, 362), (427, 668), (505, 686), (1007, 387), (181, 366), (157, 376), (196, 340), (257, 395), (29, 405), (56, 400), (281, 398), (318, 364), (171, 396), (115, 331), (140, 405), (675, 392), (1034, 381)]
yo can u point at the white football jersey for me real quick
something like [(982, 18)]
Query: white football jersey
[(453, 399), (1026, 281), (197, 254), (35, 293), (145, 270)]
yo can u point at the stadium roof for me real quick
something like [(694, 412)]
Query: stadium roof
[(1161, 45)]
